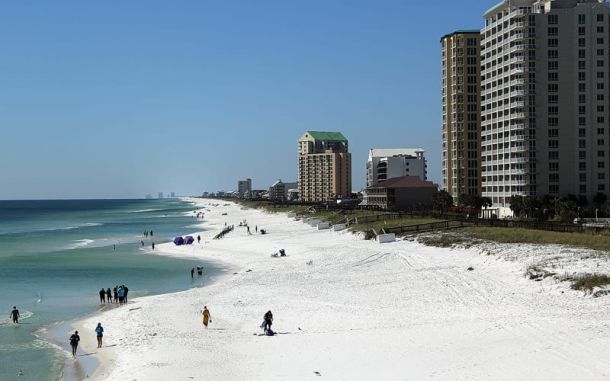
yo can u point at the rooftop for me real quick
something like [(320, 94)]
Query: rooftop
[(389, 152), (321, 135), (461, 31)]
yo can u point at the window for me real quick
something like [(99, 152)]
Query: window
[(582, 132), (601, 176), (553, 65), (600, 142), (552, 31), (553, 177), (581, 75), (581, 53), (553, 166), (601, 153), (581, 19), (554, 76), (600, 164), (554, 19), (582, 87), (553, 99), (582, 166), (581, 30), (581, 42), (553, 155), (582, 143), (582, 155), (553, 133), (553, 87), (582, 177), (600, 18), (554, 53), (583, 188), (553, 144), (553, 42)]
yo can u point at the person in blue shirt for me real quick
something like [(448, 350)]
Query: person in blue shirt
[(99, 330)]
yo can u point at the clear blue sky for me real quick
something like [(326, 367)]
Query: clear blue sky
[(123, 98)]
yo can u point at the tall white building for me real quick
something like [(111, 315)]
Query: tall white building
[(544, 99), (387, 163)]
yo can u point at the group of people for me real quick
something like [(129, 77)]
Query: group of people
[(266, 324), (146, 234), (198, 215), (199, 271), (117, 295), (75, 338)]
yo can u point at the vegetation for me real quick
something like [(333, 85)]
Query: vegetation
[(588, 282), (518, 235), (442, 200), (442, 240)]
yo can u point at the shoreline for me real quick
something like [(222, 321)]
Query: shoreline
[(352, 309), (103, 360)]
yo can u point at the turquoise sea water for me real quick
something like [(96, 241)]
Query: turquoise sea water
[(56, 255)]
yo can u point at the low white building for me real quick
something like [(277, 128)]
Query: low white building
[(387, 163)]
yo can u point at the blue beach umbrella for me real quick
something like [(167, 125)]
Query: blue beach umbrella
[(179, 241)]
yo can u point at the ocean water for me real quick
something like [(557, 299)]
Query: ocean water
[(56, 255)]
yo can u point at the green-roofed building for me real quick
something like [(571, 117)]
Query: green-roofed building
[(325, 166)]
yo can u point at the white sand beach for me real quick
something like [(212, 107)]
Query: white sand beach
[(349, 309)]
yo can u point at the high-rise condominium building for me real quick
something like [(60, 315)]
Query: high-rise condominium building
[(325, 170), (384, 164), (244, 187), (545, 99), (461, 123)]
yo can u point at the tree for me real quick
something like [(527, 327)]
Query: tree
[(442, 200), (516, 205)]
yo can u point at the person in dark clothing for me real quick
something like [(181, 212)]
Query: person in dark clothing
[(109, 295), (99, 331), (153, 246), (102, 296), (198, 239), (15, 315), (126, 292), (74, 339), (268, 320), (116, 294), (192, 272), (151, 233)]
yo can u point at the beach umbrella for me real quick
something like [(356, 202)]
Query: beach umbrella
[(189, 239), (179, 241)]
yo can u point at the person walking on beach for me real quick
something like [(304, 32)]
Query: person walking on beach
[(192, 272), (126, 292), (15, 315), (99, 331), (121, 292), (116, 294), (198, 239), (109, 295), (102, 296), (74, 339), (206, 316), (151, 233), (153, 246), (268, 321)]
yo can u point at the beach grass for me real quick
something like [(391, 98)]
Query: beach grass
[(587, 282), (520, 235)]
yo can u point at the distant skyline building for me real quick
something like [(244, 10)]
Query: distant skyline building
[(384, 164), (244, 187), (545, 99), (173, 194), (325, 168), (160, 195), (460, 102)]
